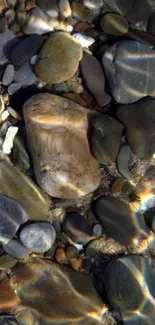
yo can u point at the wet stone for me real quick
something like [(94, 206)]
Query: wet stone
[(12, 215), (119, 221), (38, 237), (16, 249), (113, 24)]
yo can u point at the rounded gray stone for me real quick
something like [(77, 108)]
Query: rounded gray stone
[(38, 237), (16, 249)]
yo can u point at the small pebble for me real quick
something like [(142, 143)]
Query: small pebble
[(6, 97), (21, 18), (14, 113), (14, 87), (64, 7), (123, 159), (71, 252), (20, 155), (83, 39), (4, 116), (81, 27), (2, 105), (93, 4), (114, 24), (34, 59), (97, 230), (16, 249), (117, 185), (38, 237), (60, 256), (5, 127), (6, 261), (8, 75), (76, 263), (9, 138)]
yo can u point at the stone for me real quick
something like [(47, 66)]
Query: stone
[(25, 76), (36, 23), (141, 36), (65, 8), (38, 237), (8, 75), (71, 294), (151, 23), (6, 39), (79, 229), (80, 11), (49, 7), (114, 24), (128, 282), (6, 261), (60, 256), (76, 98), (119, 221), (93, 4), (13, 88), (16, 249), (123, 159), (12, 216), (138, 120), (130, 69), (83, 39), (95, 79), (135, 15), (119, 6), (22, 52), (59, 51), (117, 185), (63, 168), (20, 156), (105, 138), (76, 263), (72, 252), (33, 199), (10, 300)]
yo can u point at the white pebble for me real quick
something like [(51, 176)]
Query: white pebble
[(4, 116), (2, 105), (84, 40), (34, 59), (9, 138)]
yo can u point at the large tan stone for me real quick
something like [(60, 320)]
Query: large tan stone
[(57, 131), (58, 58)]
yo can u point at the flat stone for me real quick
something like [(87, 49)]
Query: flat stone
[(139, 120), (105, 138), (130, 69), (58, 52), (13, 88), (95, 79), (16, 249), (128, 282), (119, 221), (63, 168), (8, 75), (119, 6), (33, 199), (114, 24), (38, 237), (135, 15), (68, 292), (22, 52)]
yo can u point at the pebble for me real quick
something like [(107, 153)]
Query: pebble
[(81, 27), (6, 38), (21, 18), (80, 11), (116, 218), (60, 256), (9, 139), (34, 59), (16, 249), (83, 39), (125, 291), (114, 24), (93, 4), (117, 185), (25, 76), (138, 120), (20, 156), (135, 15), (97, 230), (76, 263), (2, 105), (14, 113), (22, 52), (95, 79), (56, 175), (71, 252), (50, 67), (105, 138), (119, 6), (13, 88), (4, 115), (134, 79), (38, 237), (141, 37), (65, 8), (12, 215), (36, 23), (77, 228), (123, 159), (8, 75), (6, 261), (33, 199)]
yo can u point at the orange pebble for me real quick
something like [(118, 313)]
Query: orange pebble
[(76, 263), (60, 256), (81, 27)]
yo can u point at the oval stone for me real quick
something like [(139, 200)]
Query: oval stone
[(113, 24), (16, 249), (58, 58)]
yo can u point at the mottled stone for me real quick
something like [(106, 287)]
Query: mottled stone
[(129, 284), (146, 8), (59, 51), (139, 120), (33, 199), (114, 24), (16, 249), (119, 6), (130, 69), (105, 138), (57, 132), (21, 52), (119, 221), (71, 294), (38, 237), (95, 79), (12, 215)]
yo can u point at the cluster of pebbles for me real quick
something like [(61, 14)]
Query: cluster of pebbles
[(77, 162)]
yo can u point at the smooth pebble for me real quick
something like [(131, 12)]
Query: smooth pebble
[(16, 249), (8, 75), (13, 88)]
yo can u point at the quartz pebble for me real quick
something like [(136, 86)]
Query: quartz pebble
[(12, 215), (38, 237), (9, 138), (16, 249), (93, 4), (8, 75)]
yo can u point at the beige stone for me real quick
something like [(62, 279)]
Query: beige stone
[(57, 132), (58, 58)]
